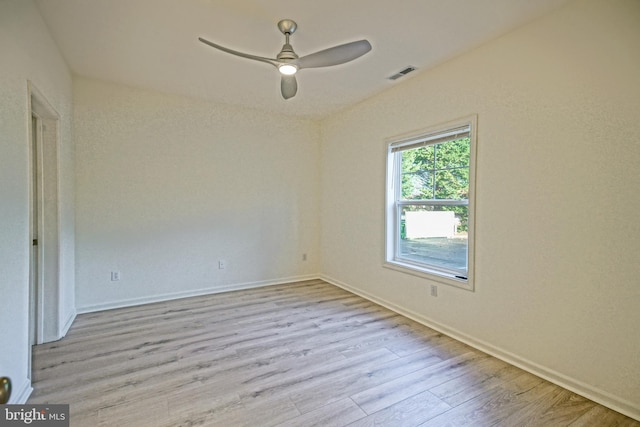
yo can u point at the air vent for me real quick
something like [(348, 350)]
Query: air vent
[(402, 73)]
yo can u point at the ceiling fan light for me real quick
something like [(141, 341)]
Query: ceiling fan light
[(287, 69)]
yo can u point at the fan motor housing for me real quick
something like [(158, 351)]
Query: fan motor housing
[(287, 53)]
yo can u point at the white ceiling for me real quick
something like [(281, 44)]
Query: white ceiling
[(153, 43)]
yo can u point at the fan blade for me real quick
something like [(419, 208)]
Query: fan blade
[(335, 55), (289, 86), (273, 62)]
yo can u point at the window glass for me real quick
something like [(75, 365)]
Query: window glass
[(429, 203)]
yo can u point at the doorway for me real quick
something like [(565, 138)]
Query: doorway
[(44, 259), (35, 218)]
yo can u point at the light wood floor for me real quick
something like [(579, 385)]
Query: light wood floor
[(303, 354)]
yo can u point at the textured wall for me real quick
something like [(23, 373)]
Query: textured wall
[(557, 246), (168, 186)]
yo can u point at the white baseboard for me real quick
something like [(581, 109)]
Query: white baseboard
[(600, 396), (67, 324), (191, 293), (21, 395)]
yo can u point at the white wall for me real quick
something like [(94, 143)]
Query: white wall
[(558, 240), (167, 186), (28, 53)]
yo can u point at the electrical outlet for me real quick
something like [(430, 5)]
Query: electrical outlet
[(115, 276), (222, 265), (434, 291)]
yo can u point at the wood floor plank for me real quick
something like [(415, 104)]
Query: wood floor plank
[(380, 396), (496, 405), (336, 414), (558, 407), (363, 377), (480, 379), (600, 416), (299, 354), (409, 412)]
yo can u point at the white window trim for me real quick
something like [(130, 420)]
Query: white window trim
[(391, 230)]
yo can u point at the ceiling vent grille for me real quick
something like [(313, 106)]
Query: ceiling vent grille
[(402, 73)]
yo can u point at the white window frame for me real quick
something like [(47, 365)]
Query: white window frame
[(394, 204)]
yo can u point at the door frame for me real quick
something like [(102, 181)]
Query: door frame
[(44, 293), (35, 225)]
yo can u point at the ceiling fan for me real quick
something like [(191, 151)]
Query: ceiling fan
[(288, 62)]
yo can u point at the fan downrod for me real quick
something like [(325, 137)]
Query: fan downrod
[(287, 26)]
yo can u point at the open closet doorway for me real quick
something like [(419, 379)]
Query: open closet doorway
[(44, 259)]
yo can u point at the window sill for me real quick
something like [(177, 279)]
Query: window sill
[(466, 284)]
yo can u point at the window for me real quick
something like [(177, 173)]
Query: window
[(430, 187)]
